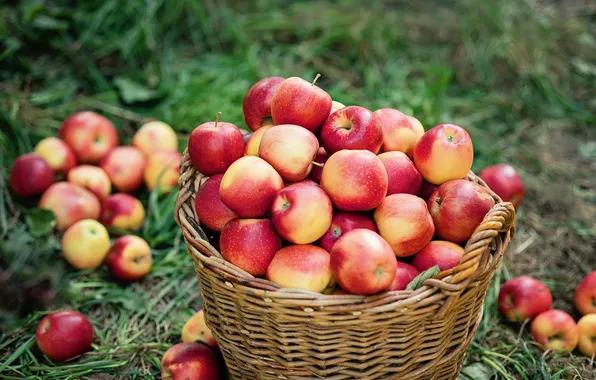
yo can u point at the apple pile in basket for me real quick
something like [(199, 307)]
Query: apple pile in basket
[(321, 193)]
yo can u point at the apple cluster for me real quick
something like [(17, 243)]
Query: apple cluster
[(320, 193)]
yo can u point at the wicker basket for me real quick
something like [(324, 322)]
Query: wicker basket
[(267, 332)]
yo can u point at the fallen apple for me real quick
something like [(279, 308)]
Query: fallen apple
[(505, 182), (155, 136), (63, 335), (125, 166), (30, 175), (587, 335), (523, 298), (584, 297), (69, 203), (189, 361), (196, 329), (85, 244), (57, 154), (92, 178), (90, 135), (129, 258), (122, 211), (555, 330)]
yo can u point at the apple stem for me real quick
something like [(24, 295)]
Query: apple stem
[(217, 118), (317, 164), (315, 80)]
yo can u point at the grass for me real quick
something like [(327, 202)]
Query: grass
[(519, 75)]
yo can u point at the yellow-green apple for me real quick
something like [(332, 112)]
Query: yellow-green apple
[(196, 329), (418, 132), (122, 211), (189, 361), (85, 244), (290, 149), (362, 262), (504, 180), (317, 169), (57, 154), (254, 142), (212, 212), (250, 244), (351, 128), (404, 221), (124, 165), (397, 131), (214, 146), (303, 266), (342, 223), (129, 258), (301, 212), (92, 178), (30, 175), (335, 106), (584, 297), (162, 171), (587, 335), (155, 136), (299, 102), (457, 208), (256, 105), (249, 186), (555, 330), (401, 172), (64, 334), (523, 298), (443, 253), (404, 274), (426, 189), (443, 153), (90, 135), (355, 180), (70, 203)]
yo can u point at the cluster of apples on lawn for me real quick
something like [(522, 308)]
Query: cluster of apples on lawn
[(86, 179), (525, 298)]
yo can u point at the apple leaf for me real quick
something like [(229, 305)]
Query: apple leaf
[(419, 280), (41, 222), (476, 371), (133, 92)]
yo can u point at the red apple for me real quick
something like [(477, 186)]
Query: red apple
[(555, 330), (443, 153), (587, 335), (90, 135), (123, 212), (523, 298), (212, 212), (457, 208), (426, 190), (155, 136), (585, 294), (30, 175), (336, 106), (317, 170), (257, 103), (57, 154), (355, 180), (404, 274), (342, 223), (352, 128), (69, 203), (129, 258), (254, 142), (92, 178), (125, 166), (438, 252), (401, 172), (63, 335), (403, 220), (196, 329), (214, 146), (504, 180), (299, 102), (250, 244), (399, 134), (290, 149), (301, 267), (189, 361)]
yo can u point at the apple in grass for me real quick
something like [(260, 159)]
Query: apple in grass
[(196, 329), (90, 135), (587, 335), (162, 171), (64, 334), (398, 134), (69, 203), (401, 172), (85, 244), (404, 274), (351, 128), (190, 361), (30, 175), (129, 258), (122, 211), (457, 208), (256, 105), (212, 212), (505, 182), (523, 298), (585, 294), (445, 254), (555, 330), (443, 153), (342, 223), (155, 136), (92, 178), (254, 141), (404, 221), (304, 266), (125, 166), (57, 154), (299, 102)]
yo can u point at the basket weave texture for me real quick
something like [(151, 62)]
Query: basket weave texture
[(268, 332)]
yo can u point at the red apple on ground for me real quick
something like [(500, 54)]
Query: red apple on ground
[(443, 153), (85, 244), (299, 102), (362, 262), (355, 180), (256, 105), (317, 170), (155, 136), (335, 106), (129, 258), (401, 172), (189, 361), (212, 212), (69, 203), (445, 254), (162, 171), (403, 220), (302, 267), (426, 190), (457, 208), (301, 212), (123, 212), (418, 132), (90, 135), (254, 142), (92, 178), (30, 175), (587, 335), (523, 298), (585, 294), (399, 134), (404, 274), (290, 149), (250, 244), (124, 165), (249, 186), (555, 330), (64, 334), (196, 329), (504, 180), (351, 128), (57, 154), (214, 146), (342, 223)]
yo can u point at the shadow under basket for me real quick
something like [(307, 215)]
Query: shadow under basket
[(268, 332)]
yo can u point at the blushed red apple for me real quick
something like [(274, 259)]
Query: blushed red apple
[(85, 244), (196, 329), (342, 223), (504, 180), (129, 258), (63, 335), (418, 132), (587, 335), (399, 134), (555, 330), (584, 297), (125, 166), (123, 212), (256, 105), (155, 136), (189, 361), (303, 266), (444, 254), (57, 154), (351, 127), (162, 171), (401, 173), (30, 175), (404, 274), (212, 212), (92, 178), (523, 298), (90, 135), (69, 203)]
